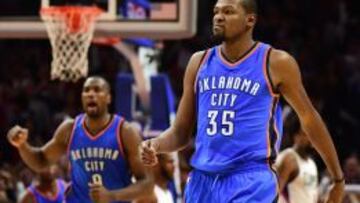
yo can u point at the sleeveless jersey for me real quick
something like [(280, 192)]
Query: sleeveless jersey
[(96, 159), (239, 123), (41, 198), (163, 196), (304, 188)]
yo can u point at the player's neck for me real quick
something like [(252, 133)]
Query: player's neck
[(303, 153), (96, 124), (47, 186), (161, 181), (235, 48)]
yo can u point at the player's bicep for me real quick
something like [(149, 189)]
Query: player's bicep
[(132, 140), (57, 146), (185, 115), (287, 75)]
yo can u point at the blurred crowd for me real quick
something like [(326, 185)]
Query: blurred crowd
[(322, 35)]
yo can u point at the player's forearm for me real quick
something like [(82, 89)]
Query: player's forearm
[(33, 157), (321, 140), (172, 140), (138, 190)]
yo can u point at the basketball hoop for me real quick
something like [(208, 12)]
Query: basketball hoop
[(70, 29)]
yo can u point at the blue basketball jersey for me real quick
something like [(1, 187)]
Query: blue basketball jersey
[(41, 198), (239, 118), (96, 159)]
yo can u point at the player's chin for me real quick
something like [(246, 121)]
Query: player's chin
[(92, 113), (218, 35), (217, 32), (169, 175)]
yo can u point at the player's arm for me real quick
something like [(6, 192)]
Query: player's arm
[(287, 169), (286, 77), (27, 198), (144, 181), (38, 158), (179, 134), (150, 198)]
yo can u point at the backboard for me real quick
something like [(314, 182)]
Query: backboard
[(166, 19)]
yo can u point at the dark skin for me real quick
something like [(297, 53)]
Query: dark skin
[(46, 185), (164, 170), (288, 168), (163, 173), (95, 99), (235, 26)]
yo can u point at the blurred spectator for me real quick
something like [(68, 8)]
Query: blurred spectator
[(164, 190), (352, 169), (164, 175), (352, 176), (295, 167), (3, 195), (46, 188), (7, 189)]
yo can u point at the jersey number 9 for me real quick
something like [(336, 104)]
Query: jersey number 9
[(96, 179)]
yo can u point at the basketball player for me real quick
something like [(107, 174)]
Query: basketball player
[(297, 171), (232, 91), (101, 147), (163, 174), (46, 189)]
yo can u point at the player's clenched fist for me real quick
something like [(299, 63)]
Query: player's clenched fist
[(17, 136), (99, 194), (148, 153)]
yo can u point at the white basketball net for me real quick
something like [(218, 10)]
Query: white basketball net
[(70, 30)]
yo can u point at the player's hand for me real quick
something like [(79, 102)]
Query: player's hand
[(100, 194), (17, 136), (336, 193), (148, 151)]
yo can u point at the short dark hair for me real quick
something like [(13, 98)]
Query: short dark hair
[(250, 6), (106, 83)]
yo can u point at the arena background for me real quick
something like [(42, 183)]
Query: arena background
[(322, 35)]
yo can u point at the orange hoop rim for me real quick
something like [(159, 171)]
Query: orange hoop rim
[(60, 10), (77, 18)]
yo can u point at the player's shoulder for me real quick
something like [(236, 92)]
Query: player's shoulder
[(130, 136), (68, 123), (289, 150), (287, 155), (278, 56), (196, 60), (118, 116), (287, 158), (129, 129), (283, 66), (63, 133), (127, 126), (199, 55)]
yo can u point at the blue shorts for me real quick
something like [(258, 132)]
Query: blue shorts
[(236, 187)]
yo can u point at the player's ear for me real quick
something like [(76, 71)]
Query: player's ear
[(108, 98), (251, 20)]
